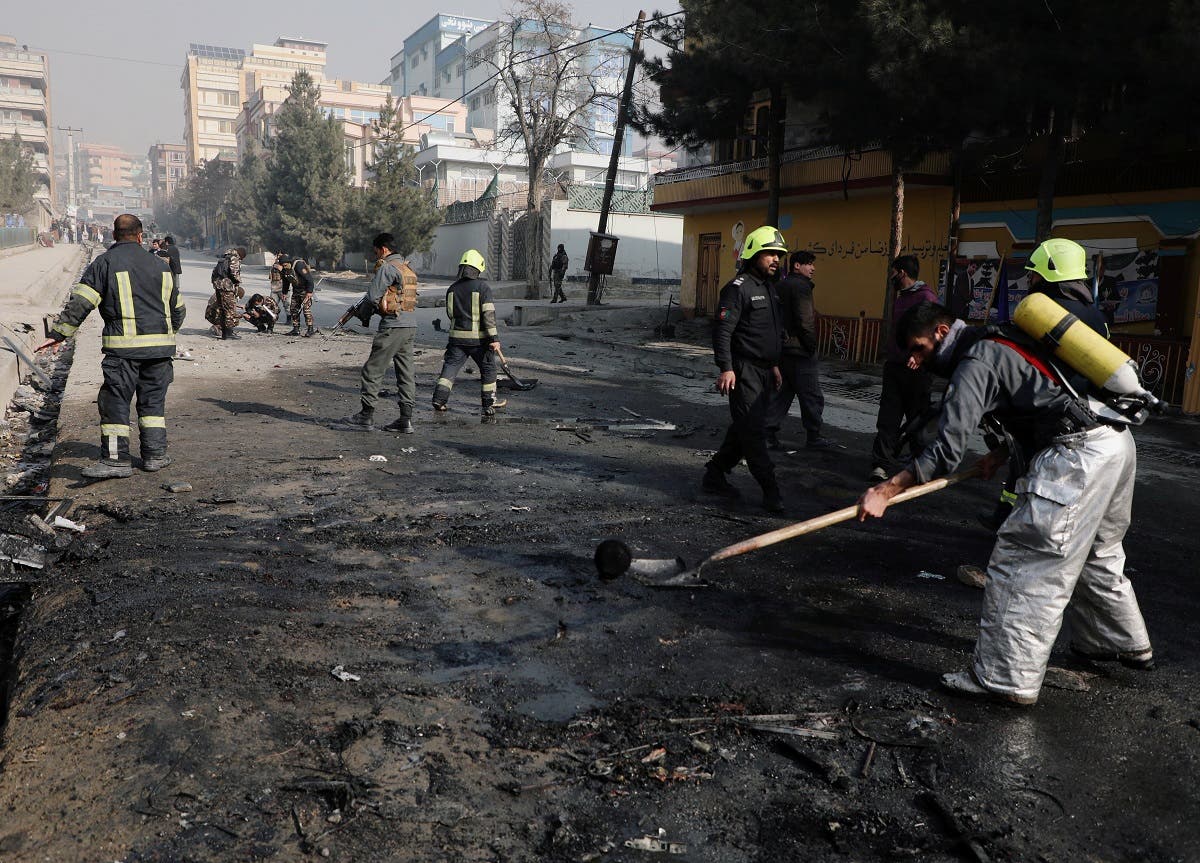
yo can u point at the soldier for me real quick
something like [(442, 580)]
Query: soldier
[(395, 298), (281, 283), (302, 297), (227, 282), (262, 312), (142, 310), (473, 334)]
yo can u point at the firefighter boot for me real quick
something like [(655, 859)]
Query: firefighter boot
[(155, 461), (114, 461), (403, 425), (716, 483)]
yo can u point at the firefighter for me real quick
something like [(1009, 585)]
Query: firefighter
[(302, 297), (1060, 553), (142, 310), (473, 334), (747, 343)]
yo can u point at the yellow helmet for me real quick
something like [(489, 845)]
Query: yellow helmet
[(472, 258), (764, 239), (1059, 260)]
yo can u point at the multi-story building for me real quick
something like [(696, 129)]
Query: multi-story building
[(25, 110), (431, 62), (601, 63), (168, 168), (102, 165), (217, 82)]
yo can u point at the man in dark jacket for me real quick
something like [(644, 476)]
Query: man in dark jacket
[(906, 387), (798, 364), (172, 255), (747, 341), (142, 310), (558, 269), (473, 334)]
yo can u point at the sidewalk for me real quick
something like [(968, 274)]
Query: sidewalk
[(33, 283)]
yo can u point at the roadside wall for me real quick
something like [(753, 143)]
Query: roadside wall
[(650, 246), (449, 242)]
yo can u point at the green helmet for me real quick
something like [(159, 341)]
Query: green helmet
[(764, 239), (1059, 260), (472, 258)]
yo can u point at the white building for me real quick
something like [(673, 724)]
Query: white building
[(431, 61), (25, 110)]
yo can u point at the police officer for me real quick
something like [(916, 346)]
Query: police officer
[(473, 334), (302, 297), (142, 310), (747, 342)]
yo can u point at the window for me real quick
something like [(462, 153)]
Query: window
[(458, 70), (414, 61), (219, 97), (474, 103), (225, 127)]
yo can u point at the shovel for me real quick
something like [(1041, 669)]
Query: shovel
[(517, 383), (645, 569)]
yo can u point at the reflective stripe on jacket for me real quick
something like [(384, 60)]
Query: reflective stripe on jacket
[(137, 298), (472, 313)]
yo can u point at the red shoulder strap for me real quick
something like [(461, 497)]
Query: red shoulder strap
[(1030, 357)]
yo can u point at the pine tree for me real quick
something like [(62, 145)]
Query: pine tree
[(244, 206), (393, 200), (307, 178)]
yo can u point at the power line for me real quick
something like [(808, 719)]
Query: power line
[(110, 57)]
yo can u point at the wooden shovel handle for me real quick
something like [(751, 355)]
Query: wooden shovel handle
[(822, 521)]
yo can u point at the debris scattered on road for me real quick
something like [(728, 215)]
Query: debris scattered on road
[(381, 458), (1073, 681), (972, 576), (520, 509), (659, 844), (791, 730), (408, 450), (177, 487), (21, 551), (931, 575), (343, 675), (59, 521)]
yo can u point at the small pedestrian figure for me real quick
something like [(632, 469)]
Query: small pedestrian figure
[(558, 269)]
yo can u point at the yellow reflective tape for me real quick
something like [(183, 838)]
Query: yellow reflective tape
[(88, 293), (489, 388), (445, 382), (125, 300), (489, 307), (475, 310), (167, 286), (450, 305), (67, 330), (110, 429), (464, 334), (152, 422), (154, 340), (1007, 496)]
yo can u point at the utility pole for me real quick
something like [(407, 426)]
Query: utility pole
[(71, 201), (614, 159)]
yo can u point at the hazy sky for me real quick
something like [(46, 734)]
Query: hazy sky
[(135, 104)]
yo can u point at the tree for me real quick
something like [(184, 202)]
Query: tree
[(549, 92), (307, 180), (244, 205), (18, 180), (393, 199), (198, 201)]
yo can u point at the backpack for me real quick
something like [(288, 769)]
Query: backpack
[(401, 297), (221, 270)]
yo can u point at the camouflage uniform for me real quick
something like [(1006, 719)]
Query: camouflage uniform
[(262, 312), (229, 289), (302, 296)]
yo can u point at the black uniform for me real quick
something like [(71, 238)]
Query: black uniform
[(798, 365), (747, 340), (142, 310)]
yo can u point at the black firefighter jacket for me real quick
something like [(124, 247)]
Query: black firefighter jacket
[(472, 313), (137, 298)]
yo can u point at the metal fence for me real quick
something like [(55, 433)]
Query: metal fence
[(12, 237), (1161, 362), (854, 340)]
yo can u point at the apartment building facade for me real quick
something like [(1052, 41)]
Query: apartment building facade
[(25, 110), (168, 168)]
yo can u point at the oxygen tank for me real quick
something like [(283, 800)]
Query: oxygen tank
[(1080, 347)]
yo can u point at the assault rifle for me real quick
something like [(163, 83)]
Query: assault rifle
[(362, 310)]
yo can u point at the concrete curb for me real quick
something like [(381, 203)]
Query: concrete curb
[(44, 296)]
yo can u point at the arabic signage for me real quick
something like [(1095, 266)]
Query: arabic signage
[(870, 246)]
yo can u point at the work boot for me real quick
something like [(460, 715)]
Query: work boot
[(229, 333), (964, 683), (488, 412), (312, 331), (105, 469), (156, 461), (714, 482), (1142, 660), (364, 420), (403, 425), (440, 407), (878, 474), (294, 331), (819, 442)]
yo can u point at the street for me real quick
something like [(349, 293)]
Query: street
[(318, 652)]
